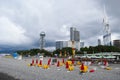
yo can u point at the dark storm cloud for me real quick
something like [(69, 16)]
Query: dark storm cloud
[(23, 20)]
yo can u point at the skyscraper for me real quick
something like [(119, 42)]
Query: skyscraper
[(81, 44), (62, 44), (74, 34), (116, 43), (74, 40), (72, 29), (107, 32)]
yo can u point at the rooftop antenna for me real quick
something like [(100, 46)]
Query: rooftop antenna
[(106, 31)]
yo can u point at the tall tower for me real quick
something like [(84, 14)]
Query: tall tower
[(42, 40), (72, 29), (106, 31), (75, 39), (74, 34)]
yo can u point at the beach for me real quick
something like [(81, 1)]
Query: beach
[(20, 70)]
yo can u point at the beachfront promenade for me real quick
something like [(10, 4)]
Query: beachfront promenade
[(19, 69)]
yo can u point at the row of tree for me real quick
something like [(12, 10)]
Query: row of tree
[(100, 48), (33, 52), (67, 51)]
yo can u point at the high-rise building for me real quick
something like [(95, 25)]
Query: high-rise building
[(62, 44), (116, 43), (74, 34), (107, 32), (99, 42), (74, 40), (59, 45), (72, 29), (77, 45), (81, 44)]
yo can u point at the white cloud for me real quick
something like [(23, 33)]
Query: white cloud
[(115, 36), (23, 20), (11, 33)]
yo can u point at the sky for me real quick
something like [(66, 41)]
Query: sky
[(22, 21)]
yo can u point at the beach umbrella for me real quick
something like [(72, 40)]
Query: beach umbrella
[(58, 64), (32, 62), (67, 65), (36, 61), (63, 61), (49, 61), (40, 62), (82, 67)]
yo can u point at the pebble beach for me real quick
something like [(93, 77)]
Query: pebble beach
[(13, 69)]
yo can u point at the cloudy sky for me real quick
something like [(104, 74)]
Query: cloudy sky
[(21, 21)]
